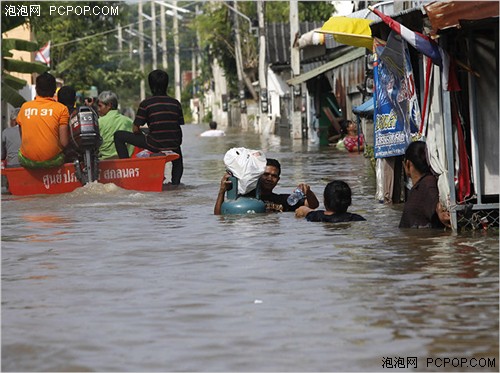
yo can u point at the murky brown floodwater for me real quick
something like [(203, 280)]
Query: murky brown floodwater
[(112, 280)]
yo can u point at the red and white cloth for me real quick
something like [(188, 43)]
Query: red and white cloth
[(43, 55)]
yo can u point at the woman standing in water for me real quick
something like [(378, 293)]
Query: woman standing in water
[(422, 208)]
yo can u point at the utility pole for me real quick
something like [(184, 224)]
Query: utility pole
[(263, 99), (120, 38), (198, 40), (130, 45), (163, 22), (153, 33), (246, 79), (239, 69), (296, 117), (201, 106), (141, 52), (193, 68), (177, 67)]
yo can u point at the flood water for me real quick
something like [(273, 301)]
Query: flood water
[(105, 279)]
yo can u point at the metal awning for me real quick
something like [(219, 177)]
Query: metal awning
[(443, 15), (349, 56), (365, 108)]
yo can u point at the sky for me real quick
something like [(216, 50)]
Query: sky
[(343, 7)]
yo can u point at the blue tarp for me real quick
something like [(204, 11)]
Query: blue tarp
[(365, 108)]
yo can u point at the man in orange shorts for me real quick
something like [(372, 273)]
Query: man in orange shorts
[(44, 128)]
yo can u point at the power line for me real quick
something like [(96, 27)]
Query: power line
[(98, 34)]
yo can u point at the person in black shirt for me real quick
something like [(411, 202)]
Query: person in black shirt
[(164, 117), (337, 198), (422, 207), (267, 182), (66, 95)]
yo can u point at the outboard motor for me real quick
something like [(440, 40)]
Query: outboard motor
[(86, 140), (237, 204)]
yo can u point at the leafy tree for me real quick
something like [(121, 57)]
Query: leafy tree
[(216, 27), (279, 11), (83, 48), (81, 51), (315, 11), (11, 84)]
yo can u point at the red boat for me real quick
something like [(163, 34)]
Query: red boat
[(142, 174)]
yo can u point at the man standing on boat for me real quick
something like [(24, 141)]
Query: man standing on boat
[(110, 121), (11, 141), (43, 126), (164, 117)]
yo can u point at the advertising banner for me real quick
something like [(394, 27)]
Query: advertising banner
[(397, 113)]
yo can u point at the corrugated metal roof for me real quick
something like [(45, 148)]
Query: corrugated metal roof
[(306, 67), (349, 56), (278, 40), (446, 14)]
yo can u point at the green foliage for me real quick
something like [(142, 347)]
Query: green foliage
[(14, 82), (10, 22), (23, 66), (186, 96), (216, 29), (370, 154), (216, 37), (315, 11), (279, 11), (84, 49), (80, 45), (18, 44), (208, 117), (10, 84)]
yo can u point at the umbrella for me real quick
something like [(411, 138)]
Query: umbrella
[(350, 31)]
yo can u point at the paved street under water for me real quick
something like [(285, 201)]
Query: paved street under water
[(105, 279)]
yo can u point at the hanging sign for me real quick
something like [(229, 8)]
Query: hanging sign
[(396, 113)]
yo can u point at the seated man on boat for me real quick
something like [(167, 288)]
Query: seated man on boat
[(43, 126), (164, 117), (110, 121), (267, 182), (66, 95)]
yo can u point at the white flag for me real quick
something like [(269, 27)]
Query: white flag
[(43, 55)]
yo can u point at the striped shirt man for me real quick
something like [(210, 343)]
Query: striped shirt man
[(163, 115)]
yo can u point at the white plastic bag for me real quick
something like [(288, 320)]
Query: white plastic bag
[(247, 166)]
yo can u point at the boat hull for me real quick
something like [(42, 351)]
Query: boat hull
[(142, 174)]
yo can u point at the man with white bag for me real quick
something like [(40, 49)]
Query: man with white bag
[(266, 183)]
